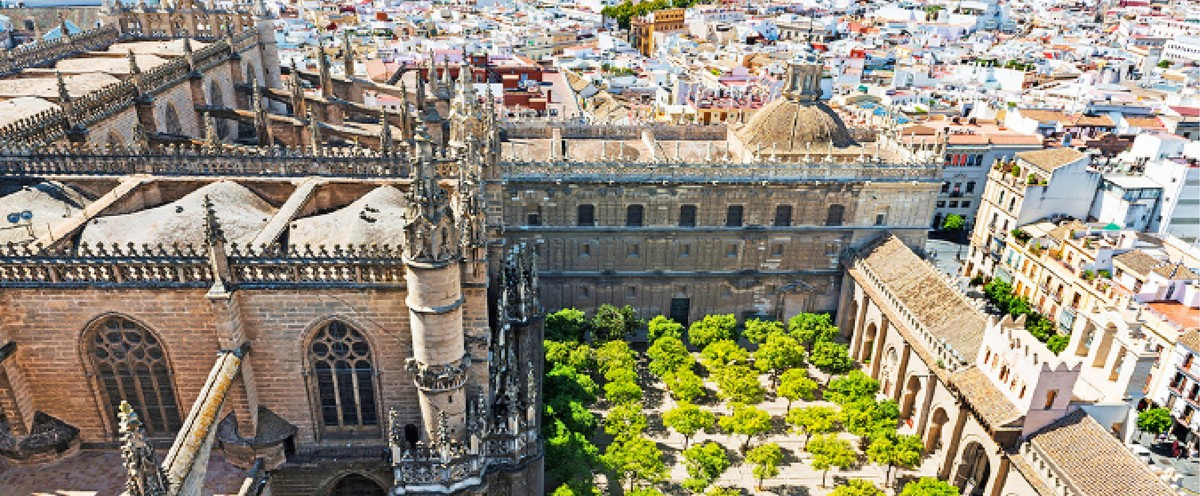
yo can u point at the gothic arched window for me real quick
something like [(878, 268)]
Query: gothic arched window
[(171, 120), (131, 365), (345, 378)]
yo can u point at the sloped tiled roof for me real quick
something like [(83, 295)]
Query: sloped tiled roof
[(1094, 462), (1138, 261), (924, 291), (985, 399), (1191, 340), (1052, 158)]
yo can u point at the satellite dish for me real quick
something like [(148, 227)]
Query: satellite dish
[(14, 217), (26, 215)]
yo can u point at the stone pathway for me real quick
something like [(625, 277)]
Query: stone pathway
[(100, 473)]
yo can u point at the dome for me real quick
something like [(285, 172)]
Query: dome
[(789, 126)]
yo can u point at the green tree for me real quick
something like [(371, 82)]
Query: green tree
[(685, 385), (635, 460), (661, 326), (667, 355), (828, 452), (811, 328), (567, 324), (739, 384), (704, 463), (794, 384), (615, 355), (564, 382), (747, 420), (577, 355), (644, 491), (576, 487), (868, 419), (831, 358), (622, 391), (766, 460), (721, 353), (613, 324), (723, 491), (573, 414), (688, 419), (757, 330), (929, 486), (1154, 420), (851, 387), (578, 456), (625, 421), (895, 451), (857, 487), (712, 328), (814, 420), (954, 223), (779, 353), (1164, 64)]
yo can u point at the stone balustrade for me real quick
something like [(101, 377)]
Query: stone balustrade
[(716, 172)]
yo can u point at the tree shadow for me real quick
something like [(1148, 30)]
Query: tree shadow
[(789, 490)]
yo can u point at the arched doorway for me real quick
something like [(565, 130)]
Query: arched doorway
[(130, 365), (933, 439), (973, 470), (357, 485), (907, 406)]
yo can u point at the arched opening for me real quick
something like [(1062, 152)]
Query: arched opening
[(357, 485), (851, 320), (171, 120), (933, 439), (891, 361), (131, 365), (344, 372), (910, 397), (868, 344), (411, 434), (973, 470)]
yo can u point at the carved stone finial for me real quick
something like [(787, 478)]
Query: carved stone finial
[(211, 140), (63, 95), (187, 52), (143, 476), (133, 65), (386, 144)]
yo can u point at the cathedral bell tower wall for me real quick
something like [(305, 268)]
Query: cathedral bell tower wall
[(440, 364)]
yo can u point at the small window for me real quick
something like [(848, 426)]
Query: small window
[(946, 187), (953, 204), (726, 292), (880, 219), (834, 216), (633, 250), (777, 250), (966, 204), (586, 215), (970, 186), (941, 204), (585, 250), (631, 291), (783, 216), (583, 292), (533, 219), (733, 216), (685, 250), (687, 216), (731, 251), (633, 215), (1050, 396)]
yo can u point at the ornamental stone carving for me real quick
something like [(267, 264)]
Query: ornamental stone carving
[(435, 378)]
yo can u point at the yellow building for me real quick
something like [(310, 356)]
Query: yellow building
[(643, 29)]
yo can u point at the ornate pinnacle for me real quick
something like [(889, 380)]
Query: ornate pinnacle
[(143, 477), (211, 140), (187, 52), (314, 129), (385, 134), (212, 227), (443, 429), (348, 57), (63, 95), (133, 66)]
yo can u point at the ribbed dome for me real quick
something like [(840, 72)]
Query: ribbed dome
[(788, 126)]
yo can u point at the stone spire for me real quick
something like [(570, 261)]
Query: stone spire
[(299, 107), (187, 53), (323, 69), (64, 96), (262, 124), (386, 144), (428, 226), (314, 131), (211, 140), (348, 54), (143, 477), (133, 65)]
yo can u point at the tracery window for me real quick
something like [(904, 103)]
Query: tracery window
[(345, 378), (131, 365)]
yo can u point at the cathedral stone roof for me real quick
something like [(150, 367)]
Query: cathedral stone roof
[(240, 212), (789, 126), (48, 203), (375, 218)]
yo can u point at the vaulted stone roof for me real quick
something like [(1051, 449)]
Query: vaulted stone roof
[(375, 218), (240, 212), (789, 126)]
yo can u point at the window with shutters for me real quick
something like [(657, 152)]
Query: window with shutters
[(131, 365), (344, 379)]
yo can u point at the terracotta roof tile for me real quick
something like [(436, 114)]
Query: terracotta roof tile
[(985, 399), (940, 308), (1191, 339), (1094, 462), (1137, 261), (1051, 158)]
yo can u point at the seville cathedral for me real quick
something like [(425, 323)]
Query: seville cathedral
[(214, 252)]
